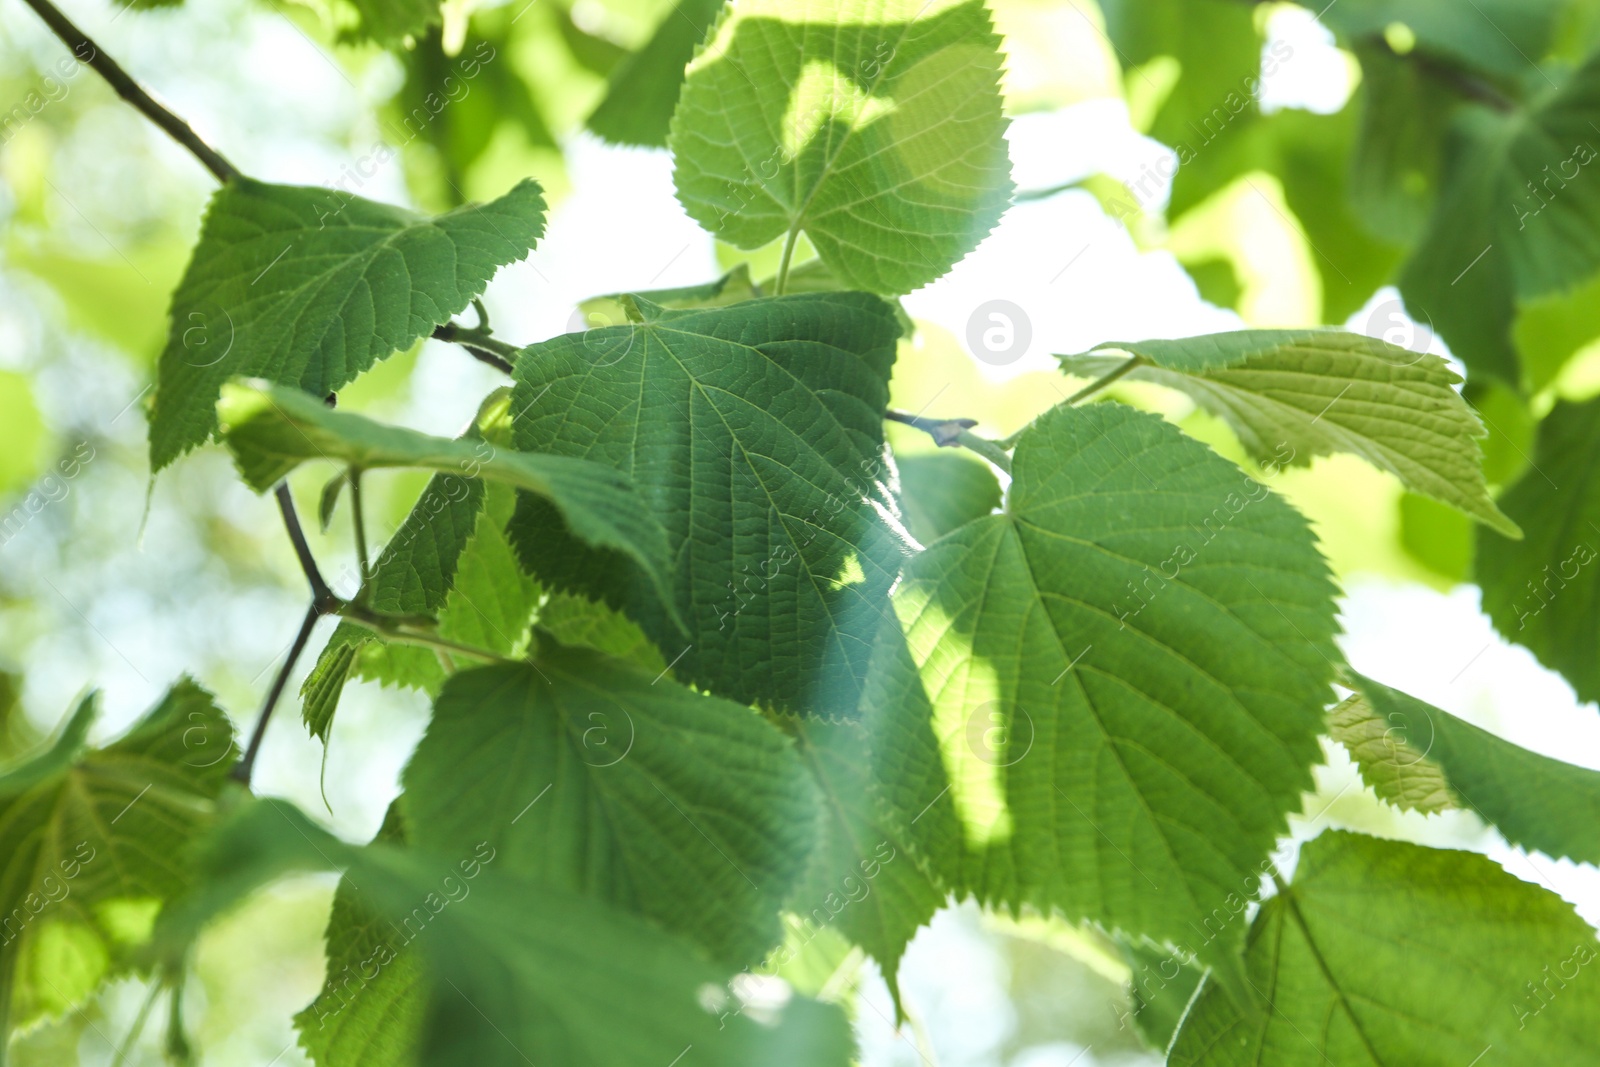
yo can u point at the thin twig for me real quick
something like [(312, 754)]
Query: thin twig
[(946, 433), (246, 766), (360, 524), (781, 284), (1132, 363), (393, 629), (481, 347), (952, 433), (89, 53), (323, 599)]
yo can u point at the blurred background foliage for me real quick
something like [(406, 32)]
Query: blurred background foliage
[(1312, 158)]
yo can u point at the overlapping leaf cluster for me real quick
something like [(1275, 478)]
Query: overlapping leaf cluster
[(705, 653)]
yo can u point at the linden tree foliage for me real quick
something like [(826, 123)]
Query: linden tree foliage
[(717, 661)]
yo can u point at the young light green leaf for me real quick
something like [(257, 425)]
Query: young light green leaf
[(637, 108), (309, 287), (82, 828), (491, 602), (1383, 952), (1544, 591), (940, 491), (1125, 674), (1399, 771), (1292, 395), (861, 879), (272, 429), (873, 126), (584, 623), (1415, 755), (755, 434), (590, 775), (1517, 217)]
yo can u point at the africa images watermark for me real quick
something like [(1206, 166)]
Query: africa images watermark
[(53, 488), (1540, 994), (1207, 128), (455, 87), (53, 89), (1205, 531), (344, 987), (746, 986), (52, 890)]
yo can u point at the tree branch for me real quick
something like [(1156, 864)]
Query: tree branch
[(946, 433), (479, 345), (323, 600), (89, 53), (951, 433), (246, 766)]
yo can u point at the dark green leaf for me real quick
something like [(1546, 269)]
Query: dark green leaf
[(1543, 592), (594, 777), (940, 491), (862, 879), (1517, 218), (638, 105), (755, 434), (519, 973)]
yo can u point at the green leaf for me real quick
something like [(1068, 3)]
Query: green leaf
[(590, 775), (1160, 988), (875, 128), (1385, 953), (1494, 237), (491, 602), (390, 22), (520, 973), (1499, 37), (412, 576), (861, 878), (1397, 768), (542, 985), (272, 429), (940, 491), (311, 286), (1219, 55), (1406, 108), (1292, 395), (1125, 674), (575, 620), (82, 828), (1416, 756), (638, 105), (1543, 591), (755, 434), (373, 998), (733, 287)]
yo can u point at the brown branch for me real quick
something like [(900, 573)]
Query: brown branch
[(89, 53)]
